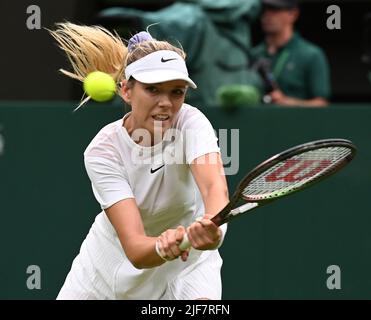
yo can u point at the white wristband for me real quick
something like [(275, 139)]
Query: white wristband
[(157, 248), (223, 227)]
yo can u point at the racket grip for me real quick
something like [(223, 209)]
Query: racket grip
[(185, 244)]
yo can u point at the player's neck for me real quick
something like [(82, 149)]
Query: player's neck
[(277, 40), (131, 125)]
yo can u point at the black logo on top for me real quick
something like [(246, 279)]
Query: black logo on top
[(166, 60), (154, 170)]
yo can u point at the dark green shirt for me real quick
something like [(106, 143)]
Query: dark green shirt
[(300, 68)]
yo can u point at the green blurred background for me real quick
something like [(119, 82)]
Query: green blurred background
[(280, 252)]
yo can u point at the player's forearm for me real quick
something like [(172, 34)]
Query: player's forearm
[(139, 248), (215, 199), (141, 252)]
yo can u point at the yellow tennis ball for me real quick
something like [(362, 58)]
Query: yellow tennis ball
[(100, 86)]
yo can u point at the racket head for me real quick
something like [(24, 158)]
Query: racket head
[(295, 169)]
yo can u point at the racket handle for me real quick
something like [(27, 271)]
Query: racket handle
[(185, 244)]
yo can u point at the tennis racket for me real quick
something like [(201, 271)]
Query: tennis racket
[(283, 174)]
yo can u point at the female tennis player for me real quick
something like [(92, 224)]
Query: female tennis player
[(156, 173)]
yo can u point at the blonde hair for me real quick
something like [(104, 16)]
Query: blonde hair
[(94, 48)]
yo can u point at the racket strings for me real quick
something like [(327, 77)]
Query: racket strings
[(295, 172)]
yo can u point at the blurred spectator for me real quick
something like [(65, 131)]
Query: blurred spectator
[(215, 35), (295, 71)]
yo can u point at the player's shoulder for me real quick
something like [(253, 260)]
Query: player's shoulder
[(104, 143), (189, 112), (111, 128), (190, 116)]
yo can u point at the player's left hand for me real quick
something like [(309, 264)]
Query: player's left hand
[(169, 241), (204, 234)]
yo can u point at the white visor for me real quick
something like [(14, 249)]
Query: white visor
[(159, 66)]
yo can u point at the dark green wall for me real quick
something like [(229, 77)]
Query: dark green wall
[(281, 252)]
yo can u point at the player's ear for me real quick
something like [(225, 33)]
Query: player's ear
[(126, 90)]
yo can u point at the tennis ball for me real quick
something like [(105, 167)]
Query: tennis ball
[(100, 86)]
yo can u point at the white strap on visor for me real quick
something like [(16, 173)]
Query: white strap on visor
[(159, 66)]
